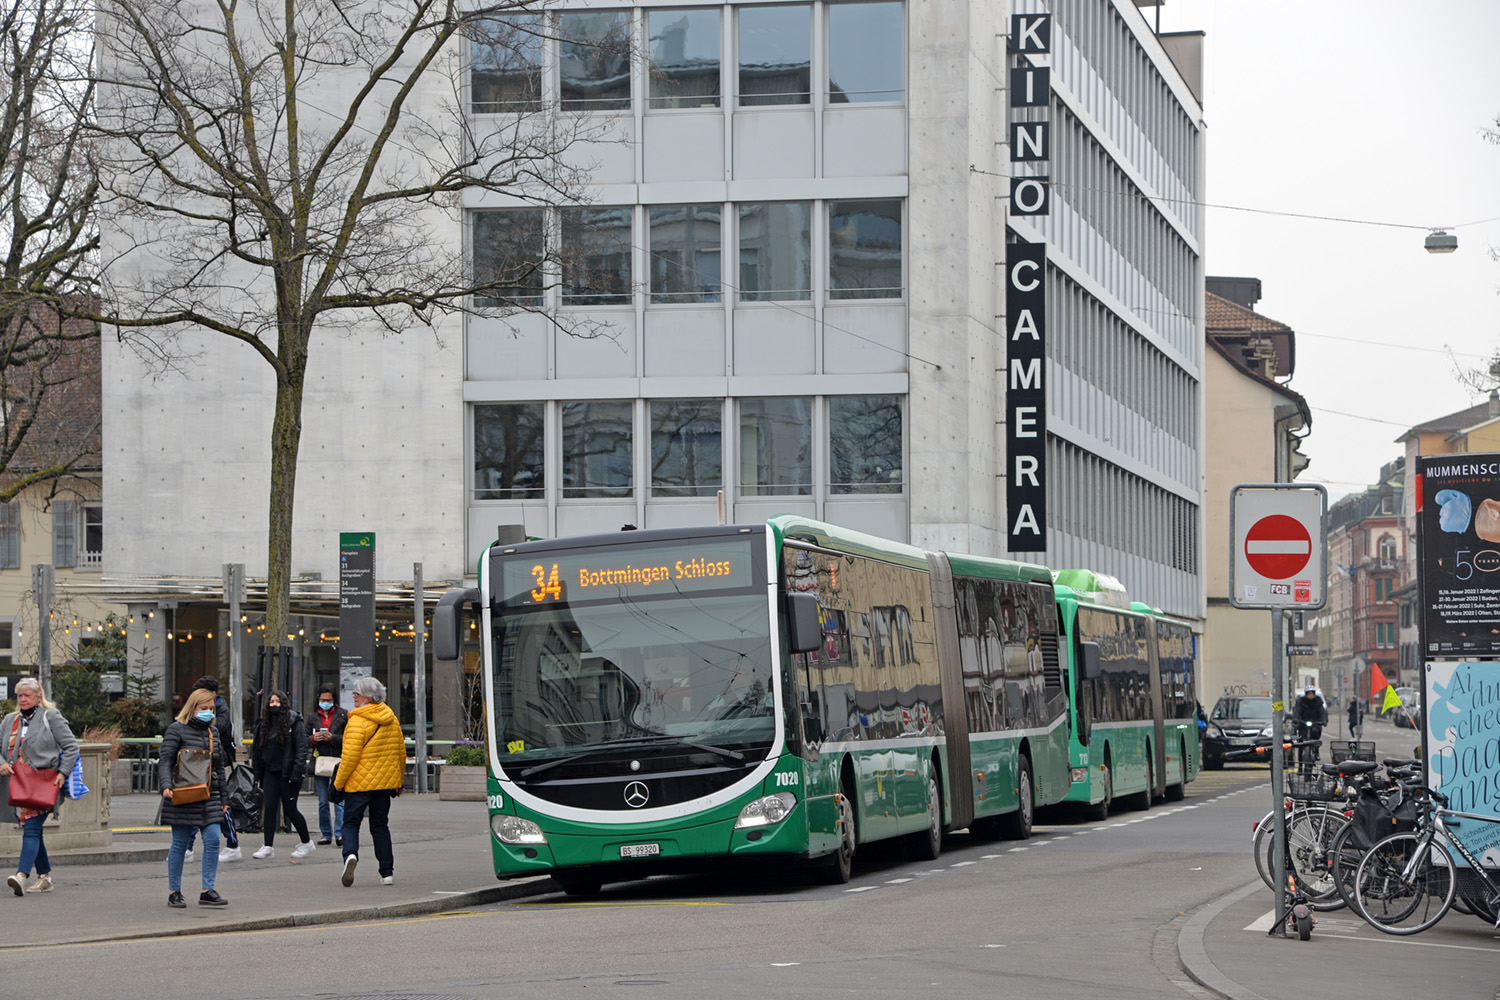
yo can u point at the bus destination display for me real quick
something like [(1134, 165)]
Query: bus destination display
[(615, 573)]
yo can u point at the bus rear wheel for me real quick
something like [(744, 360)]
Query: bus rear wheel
[(1177, 792), (1017, 825), (838, 866)]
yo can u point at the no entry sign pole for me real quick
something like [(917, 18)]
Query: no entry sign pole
[(1278, 560)]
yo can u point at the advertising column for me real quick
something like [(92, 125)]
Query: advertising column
[(1458, 539)]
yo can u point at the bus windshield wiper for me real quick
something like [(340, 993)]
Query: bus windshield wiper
[(599, 748)]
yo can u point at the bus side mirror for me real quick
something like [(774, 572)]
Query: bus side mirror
[(447, 623), (1090, 660), (804, 628)]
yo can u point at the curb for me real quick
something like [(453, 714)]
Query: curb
[(86, 856), (1194, 957), (534, 886)]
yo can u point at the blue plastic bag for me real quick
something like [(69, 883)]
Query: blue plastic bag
[(76, 789)]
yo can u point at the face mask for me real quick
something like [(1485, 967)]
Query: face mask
[(325, 705), (205, 716), (273, 709)]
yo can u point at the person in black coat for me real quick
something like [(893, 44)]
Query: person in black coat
[(327, 736), (224, 726), (278, 756), (194, 729)]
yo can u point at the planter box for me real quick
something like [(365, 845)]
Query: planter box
[(462, 784), (82, 823)]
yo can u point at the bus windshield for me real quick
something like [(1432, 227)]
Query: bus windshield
[(676, 669)]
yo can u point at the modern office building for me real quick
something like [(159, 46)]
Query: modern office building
[(787, 281)]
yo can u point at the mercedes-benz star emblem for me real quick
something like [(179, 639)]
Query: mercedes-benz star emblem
[(636, 794)]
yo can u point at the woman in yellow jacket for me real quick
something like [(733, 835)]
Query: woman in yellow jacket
[(371, 770)]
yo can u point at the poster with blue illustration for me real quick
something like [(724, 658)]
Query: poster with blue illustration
[(1463, 749), (1458, 520)]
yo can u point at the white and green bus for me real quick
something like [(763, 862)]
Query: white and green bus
[(670, 700), (1134, 729)]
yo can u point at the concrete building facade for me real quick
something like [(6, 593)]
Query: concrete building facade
[(790, 263)]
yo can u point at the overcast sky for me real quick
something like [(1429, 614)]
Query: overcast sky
[(1363, 110)]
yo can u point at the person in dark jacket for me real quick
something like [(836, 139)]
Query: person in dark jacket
[(224, 733), (1311, 716), (278, 756), (194, 729), (327, 739)]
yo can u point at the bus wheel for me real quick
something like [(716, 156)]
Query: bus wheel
[(838, 866), (1177, 792), (578, 883), (1142, 799), (925, 845), (1017, 825), (1099, 811)]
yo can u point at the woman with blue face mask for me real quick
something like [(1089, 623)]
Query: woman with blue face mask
[(193, 730), (327, 738)]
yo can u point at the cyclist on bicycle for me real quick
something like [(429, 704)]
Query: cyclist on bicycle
[(1311, 716)]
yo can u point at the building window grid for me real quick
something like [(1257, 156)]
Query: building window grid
[(539, 64), (596, 475)]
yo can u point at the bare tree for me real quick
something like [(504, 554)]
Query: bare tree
[(282, 171), (47, 193)]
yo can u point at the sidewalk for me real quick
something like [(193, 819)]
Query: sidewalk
[(442, 863), (1225, 948)]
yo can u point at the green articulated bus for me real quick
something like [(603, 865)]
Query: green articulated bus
[(1133, 731), (670, 700)]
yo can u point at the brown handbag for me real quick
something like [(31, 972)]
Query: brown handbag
[(192, 773), (32, 788)]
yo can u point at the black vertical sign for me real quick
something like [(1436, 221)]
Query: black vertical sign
[(1026, 397), (1030, 87), (356, 603)]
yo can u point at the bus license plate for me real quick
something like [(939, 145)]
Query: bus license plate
[(640, 850)]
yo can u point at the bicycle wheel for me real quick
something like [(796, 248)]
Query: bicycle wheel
[(1310, 835), (1258, 842), (1344, 858), (1403, 885)]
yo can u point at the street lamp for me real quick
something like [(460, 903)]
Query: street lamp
[(1440, 241)]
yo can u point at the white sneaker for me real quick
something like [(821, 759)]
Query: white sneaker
[(230, 854), (303, 849), (387, 880), (348, 878), (265, 852), (187, 855)]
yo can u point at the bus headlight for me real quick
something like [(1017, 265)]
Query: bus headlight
[(1079, 774), (767, 811), (515, 830)]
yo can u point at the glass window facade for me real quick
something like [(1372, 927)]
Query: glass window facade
[(864, 249), (776, 251), (775, 55), (596, 448), (596, 250), (684, 65), (594, 60), (505, 62), (865, 57), (509, 247), (509, 452), (686, 252), (775, 447), (687, 447), (864, 444)]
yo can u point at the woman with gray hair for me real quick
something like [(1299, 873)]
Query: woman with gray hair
[(37, 733), (371, 770)]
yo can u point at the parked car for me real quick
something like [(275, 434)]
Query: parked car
[(1234, 724), (1408, 714)]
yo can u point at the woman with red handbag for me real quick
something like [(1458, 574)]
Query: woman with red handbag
[(37, 751)]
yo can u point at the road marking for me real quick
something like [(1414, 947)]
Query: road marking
[(1016, 850), (961, 864), (862, 888), (897, 881), (1263, 922)]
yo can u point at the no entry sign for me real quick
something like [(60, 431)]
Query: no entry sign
[(1279, 548)]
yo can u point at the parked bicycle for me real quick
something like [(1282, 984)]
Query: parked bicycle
[(1297, 914), (1406, 883)]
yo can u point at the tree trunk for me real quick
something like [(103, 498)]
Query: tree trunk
[(286, 439)]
